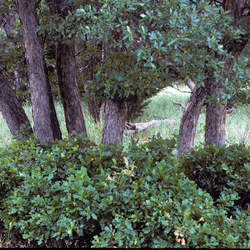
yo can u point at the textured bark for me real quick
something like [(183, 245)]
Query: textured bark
[(215, 131), (12, 110), (66, 71), (94, 108), (46, 126), (115, 116), (216, 110), (55, 124), (190, 118)]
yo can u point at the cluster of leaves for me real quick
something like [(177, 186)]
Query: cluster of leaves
[(49, 188), (223, 171), (167, 34), (11, 49), (142, 45), (139, 47), (122, 78), (138, 198), (242, 96)]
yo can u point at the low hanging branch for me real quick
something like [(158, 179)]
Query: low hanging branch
[(135, 127), (181, 104), (191, 85), (182, 91), (228, 109)]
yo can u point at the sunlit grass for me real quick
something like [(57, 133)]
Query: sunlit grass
[(94, 131), (161, 107), (238, 128)]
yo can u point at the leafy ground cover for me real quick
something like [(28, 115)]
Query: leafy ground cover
[(75, 192)]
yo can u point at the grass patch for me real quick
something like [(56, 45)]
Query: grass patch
[(160, 107), (94, 130)]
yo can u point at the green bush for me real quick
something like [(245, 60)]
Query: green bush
[(41, 204), (156, 205), (75, 189), (222, 171)]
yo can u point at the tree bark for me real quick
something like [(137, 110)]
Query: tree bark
[(12, 110), (215, 129), (46, 126), (115, 116), (66, 72), (189, 120), (215, 132), (55, 124)]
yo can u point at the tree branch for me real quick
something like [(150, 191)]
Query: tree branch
[(191, 84), (131, 128), (181, 104)]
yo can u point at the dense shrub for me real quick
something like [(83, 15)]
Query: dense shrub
[(222, 171), (38, 181), (75, 189)]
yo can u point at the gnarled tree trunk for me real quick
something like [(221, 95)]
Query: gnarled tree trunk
[(46, 126), (12, 110), (190, 119), (66, 72), (115, 117), (215, 131), (216, 110)]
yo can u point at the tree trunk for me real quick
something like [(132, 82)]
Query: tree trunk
[(189, 120), (85, 71), (93, 107), (216, 110), (66, 71), (115, 116), (56, 127), (46, 126), (215, 131), (12, 110)]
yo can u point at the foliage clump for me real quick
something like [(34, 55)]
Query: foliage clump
[(242, 96), (223, 171), (74, 189)]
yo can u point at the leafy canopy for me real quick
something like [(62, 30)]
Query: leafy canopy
[(148, 44)]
